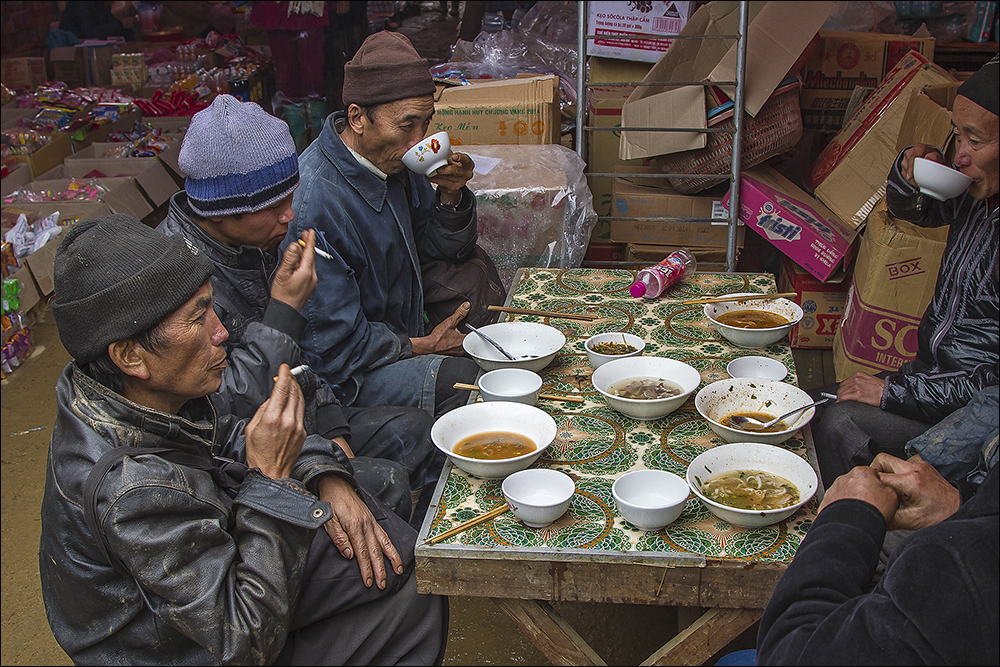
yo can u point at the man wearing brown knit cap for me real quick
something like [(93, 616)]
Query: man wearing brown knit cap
[(382, 226)]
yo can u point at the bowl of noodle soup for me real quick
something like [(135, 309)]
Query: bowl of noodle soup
[(750, 484)]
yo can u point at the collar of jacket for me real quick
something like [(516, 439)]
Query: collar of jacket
[(120, 420), (244, 257)]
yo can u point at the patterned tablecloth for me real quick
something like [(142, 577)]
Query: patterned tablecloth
[(595, 444)]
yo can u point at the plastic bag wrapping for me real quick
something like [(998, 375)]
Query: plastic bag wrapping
[(851, 16), (534, 206), (27, 238)]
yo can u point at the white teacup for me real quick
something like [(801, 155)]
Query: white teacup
[(426, 157)]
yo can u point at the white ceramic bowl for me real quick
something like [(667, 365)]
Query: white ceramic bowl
[(754, 338), (518, 338), (650, 499), (635, 367), (752, 456), (939, 181), (538, 496), (510, 384), (763, 368), (429, 155), (596, 358), (453, 427), (720, 399)]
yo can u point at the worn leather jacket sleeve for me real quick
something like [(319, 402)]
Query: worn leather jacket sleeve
[(907, 203), (932, 397)]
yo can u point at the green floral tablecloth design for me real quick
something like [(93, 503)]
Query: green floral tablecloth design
[(595, 444)]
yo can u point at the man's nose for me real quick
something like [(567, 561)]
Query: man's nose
[(219, 334)]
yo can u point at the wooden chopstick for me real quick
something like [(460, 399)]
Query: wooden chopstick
[(723, 299), (551, 397), (543, 313), (492, 514)]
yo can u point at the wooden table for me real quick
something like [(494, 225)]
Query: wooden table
[(592, 554)]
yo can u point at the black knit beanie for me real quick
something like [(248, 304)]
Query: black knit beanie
[(386, 68), (115, 278), (983, 87)]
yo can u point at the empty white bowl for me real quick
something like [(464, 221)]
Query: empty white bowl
[(453, 427), (639, 367), (752, 456), (763, 368), (754, 338), (650, 499), (939, 181), (538, 496), (519, 339), (510, 384), (720, 399), (596, 358), (429, 155)]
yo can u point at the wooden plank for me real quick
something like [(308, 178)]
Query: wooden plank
[(705, 637), (550, 632), (829, 373)]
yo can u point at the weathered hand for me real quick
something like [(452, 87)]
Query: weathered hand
[(452, 177), (862, 388), (446, 338), (915, 151), (275, 435), (863, 483), (295, 280), (355, 532), (925, 497)]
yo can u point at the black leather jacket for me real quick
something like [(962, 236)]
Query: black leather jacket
[(211, 578), (958, 337)]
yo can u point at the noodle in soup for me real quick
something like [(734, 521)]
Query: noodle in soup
[(750, 490)]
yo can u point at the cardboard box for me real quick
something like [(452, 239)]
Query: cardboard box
[(604, 109), (18, 73), (11, 117), (48, 156), (793, 222), (153, 178), (122, 195), (125, 123), (29, 295), (844, 61), (822, 306), (611, 70), (849, 175), (605, 252), (778, 34), (69, 211), (641, 19), (86, 64), (41, 263), (709, 259), (928, 118), (695, 221), (14, 180), (508, 111), (168, 124)]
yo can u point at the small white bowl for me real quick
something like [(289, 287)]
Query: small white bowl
[(518, 338), (453, 427), (635, 367), (596, 358), (763, 368), (752, 456), (538, 496), (754, 338), (510, 384), (939, 181), (720, 399), (650, 499), (429, 155)]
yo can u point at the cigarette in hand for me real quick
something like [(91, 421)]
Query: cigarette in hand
[(296, 371), (319, 252)]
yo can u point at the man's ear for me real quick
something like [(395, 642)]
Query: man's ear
[(130, 357), (356, 118)]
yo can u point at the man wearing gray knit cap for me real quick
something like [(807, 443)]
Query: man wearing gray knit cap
[(241, 171), (387, 232), (172, 533)]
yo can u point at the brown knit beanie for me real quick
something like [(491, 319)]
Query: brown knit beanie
[(386, 68)]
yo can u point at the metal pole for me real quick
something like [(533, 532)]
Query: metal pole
[(581, 76), (734, 187)]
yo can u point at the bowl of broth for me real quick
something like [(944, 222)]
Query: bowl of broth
[(492, 440), (604, 347), (756, 323), (645, 387), (532, 344), (762, 400), (751, 485)]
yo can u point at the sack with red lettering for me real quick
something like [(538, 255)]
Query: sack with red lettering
[(893, 282)]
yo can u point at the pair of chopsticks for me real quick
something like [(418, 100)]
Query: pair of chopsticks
[(492, 514), (543, 313), (551, 397), (738, 299)]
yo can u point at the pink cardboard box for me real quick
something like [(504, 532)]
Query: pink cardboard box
[(796, 224)]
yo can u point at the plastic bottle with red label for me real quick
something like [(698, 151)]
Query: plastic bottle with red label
[(654, 280)]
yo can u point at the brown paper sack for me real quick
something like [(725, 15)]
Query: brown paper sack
[(893, 282)]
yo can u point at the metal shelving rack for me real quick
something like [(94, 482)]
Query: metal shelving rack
[(582, 88)]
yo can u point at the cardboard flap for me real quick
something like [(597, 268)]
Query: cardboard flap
[(928, 117), (680, 107)]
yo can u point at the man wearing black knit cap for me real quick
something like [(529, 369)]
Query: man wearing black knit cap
[(381, 226), (173, 534), (958, 337)]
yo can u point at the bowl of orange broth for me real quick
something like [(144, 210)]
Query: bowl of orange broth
[(492, 440), (756, 323)]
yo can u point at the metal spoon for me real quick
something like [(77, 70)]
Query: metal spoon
[(497, 345), (751, 424)]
